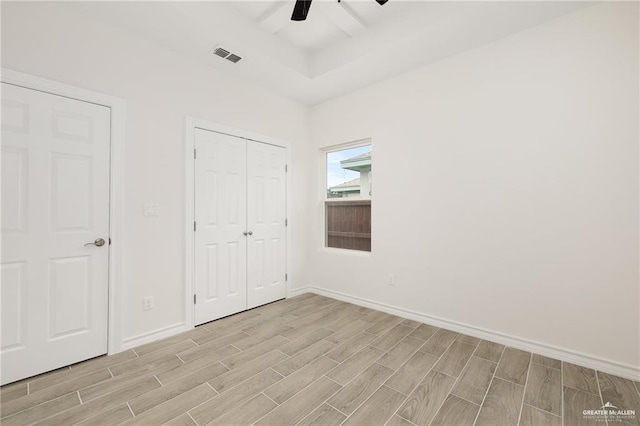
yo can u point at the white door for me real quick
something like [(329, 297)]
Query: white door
[(220, 251), (266, 214), (55, 200)]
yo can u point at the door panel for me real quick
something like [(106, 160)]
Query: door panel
[(220, 213), (71, 197), (13, 305), (266, 214), (14, 187), (69, 296), (55, 199)]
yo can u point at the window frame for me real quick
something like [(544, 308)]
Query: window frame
[(323, 199)]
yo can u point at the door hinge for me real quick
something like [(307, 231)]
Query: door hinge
[(286, 277), (109, 240), (286, 222), (286, 168), (194, 299), (194, 153), (194, 226)]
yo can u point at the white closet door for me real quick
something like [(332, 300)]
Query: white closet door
[(55, 200), (266, 214), (221, 219)]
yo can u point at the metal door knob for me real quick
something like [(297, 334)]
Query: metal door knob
[(98, 242), (245, 233), (250, 232)]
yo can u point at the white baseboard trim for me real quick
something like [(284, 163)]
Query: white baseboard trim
[(168, 331), (152, 336), (298, 291), (606, 366)]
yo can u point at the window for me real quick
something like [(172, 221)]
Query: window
[(348, 198)]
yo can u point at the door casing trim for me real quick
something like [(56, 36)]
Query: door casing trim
[(116, 167), (191, 124)]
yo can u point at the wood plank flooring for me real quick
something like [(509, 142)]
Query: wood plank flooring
[(312, 360)]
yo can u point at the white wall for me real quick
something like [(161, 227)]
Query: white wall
[(525, 218), (160, 88)]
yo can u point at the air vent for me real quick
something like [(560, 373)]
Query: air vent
[(218, 51), (225, 54), (234, 58)]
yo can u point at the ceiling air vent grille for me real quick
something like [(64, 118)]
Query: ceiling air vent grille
[(219, 51), (233, 58), (225, 54)]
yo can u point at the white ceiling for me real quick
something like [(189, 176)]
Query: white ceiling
[(341, 47)]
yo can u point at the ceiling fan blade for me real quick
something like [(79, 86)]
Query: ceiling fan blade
[(301, 9), (381, 2)]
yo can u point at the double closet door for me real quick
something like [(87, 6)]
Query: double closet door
[(240, 219)]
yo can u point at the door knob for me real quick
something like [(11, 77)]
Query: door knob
[(250, 232), (98, 242), (245, 233)]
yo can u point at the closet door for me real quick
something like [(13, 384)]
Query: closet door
[(266, 214), (221, 220)]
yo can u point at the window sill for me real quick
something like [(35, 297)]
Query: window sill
[(349, 200), (347, 252)]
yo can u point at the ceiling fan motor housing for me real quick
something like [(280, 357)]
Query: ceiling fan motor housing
[(301, 9)]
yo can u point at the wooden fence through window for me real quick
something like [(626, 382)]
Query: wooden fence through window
[(349, 224)]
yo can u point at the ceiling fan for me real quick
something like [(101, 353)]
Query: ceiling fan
[(301, 9)]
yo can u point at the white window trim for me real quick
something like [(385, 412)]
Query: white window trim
[(322, 194)]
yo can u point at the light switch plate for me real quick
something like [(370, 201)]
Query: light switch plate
[(151, 209)]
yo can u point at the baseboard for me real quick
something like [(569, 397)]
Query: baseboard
[(604, 365), (152, 336), (298, 291), (161, 333)]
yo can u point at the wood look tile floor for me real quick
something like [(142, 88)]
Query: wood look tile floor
[(312, 360)]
